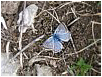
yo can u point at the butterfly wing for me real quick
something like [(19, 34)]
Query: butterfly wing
[(62, 33), (49, 43), (57, 46), (64, 36), (54, 44), (61, 29)]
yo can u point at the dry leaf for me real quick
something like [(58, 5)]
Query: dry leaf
[(29, 15)]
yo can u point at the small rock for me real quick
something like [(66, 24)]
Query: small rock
[(9, 7), (43, 70), (8, 68)]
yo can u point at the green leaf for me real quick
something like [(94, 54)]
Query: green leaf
[(80, 62), (86, 67), (99, 3), (81, 67), (72, 67)]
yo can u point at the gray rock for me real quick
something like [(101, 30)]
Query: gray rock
[(43, 70), (9, 7), (8, 68)]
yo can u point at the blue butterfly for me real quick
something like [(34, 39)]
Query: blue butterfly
[(55, 41)]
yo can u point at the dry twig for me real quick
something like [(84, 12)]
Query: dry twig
[(96, 22), (84, 48), (53, 17), (48, 13), (7, 49), (40, 58), (88, 14), (73, 11), (95, 70), (56, 15), (74, 21), (74, 46), (44, 5), (27, 46), (50, 57), (3, 22), (33, 60), (93, 33), (72, 3), (20, 37)]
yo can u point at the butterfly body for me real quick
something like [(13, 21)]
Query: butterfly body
[(55, 41), (56, 38)]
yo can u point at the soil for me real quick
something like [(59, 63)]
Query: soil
[(81, 32)]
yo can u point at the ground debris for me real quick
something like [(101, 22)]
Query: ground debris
[(9, 7)]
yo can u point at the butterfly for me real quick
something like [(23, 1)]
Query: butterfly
[(55, 41)]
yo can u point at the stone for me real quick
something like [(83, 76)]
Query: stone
[(9, 68), (43, 70)]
